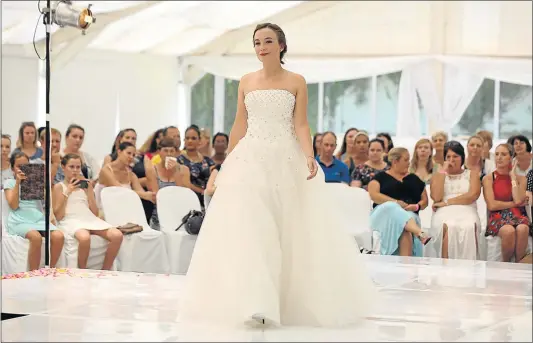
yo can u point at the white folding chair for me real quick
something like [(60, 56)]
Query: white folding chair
[(96, 254), (173, 203), (356, 203), (140, 252), (15, 248)]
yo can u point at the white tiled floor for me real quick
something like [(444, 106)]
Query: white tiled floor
[(425, 300)]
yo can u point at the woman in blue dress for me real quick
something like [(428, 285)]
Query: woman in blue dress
[(398, 196), (26, 218)]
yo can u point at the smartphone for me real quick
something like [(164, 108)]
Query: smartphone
[(83, 184)]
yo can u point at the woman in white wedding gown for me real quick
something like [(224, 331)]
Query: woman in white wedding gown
[(272, 249)]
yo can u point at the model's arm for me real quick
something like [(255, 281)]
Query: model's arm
[(239, 125), (301, 125)]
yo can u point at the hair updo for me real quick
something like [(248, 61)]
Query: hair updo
[(280, 35)]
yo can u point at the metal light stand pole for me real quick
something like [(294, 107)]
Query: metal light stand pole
[(48, 24)]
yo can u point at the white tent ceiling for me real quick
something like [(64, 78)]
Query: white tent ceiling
[(325, 30)]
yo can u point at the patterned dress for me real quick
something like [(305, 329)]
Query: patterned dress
[(365, 174), (514, 216)]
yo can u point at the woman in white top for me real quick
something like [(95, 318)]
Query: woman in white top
[(75, 209), (118, 173), (454, 191), (522, 154)]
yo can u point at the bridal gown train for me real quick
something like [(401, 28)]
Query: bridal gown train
[(272, 243)]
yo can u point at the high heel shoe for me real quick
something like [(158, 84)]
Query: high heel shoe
[(424, 238)]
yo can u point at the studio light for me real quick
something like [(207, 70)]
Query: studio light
[(64, 14)]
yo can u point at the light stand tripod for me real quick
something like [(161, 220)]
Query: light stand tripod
[(63, 15)]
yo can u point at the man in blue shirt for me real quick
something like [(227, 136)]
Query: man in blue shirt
[(334, 169)]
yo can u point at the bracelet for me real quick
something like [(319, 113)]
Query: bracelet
[(514, 183), (443, 172), (417, 207), (66, 195), (311, 157)]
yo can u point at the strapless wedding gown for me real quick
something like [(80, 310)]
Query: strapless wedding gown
[(272, 245)]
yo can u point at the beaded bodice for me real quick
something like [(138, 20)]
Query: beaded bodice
[(270, 115)]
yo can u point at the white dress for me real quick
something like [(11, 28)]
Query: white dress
[(462, 220), (78, 215), (272, 243)]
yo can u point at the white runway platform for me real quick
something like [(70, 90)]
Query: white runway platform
[(424, 300)]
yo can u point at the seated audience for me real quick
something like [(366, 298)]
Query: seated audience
[(27, 141), (199, 165), (26, 218), (522, 154), (389, 144), (438, 139), (74, 138), (317, 143), (455, 191), (77, 214), (7, 172), (173, 133), (149, 147), (204, 147), (142, 167), (220, 146), (359, 154), (364, 173), (487, 144), (398, 196), (168, 173), (347, 144), (475, 160), (55, 147), (422, 164), (334, 170), (505, 196), (118, 173)]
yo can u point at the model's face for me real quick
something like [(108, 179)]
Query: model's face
[(267, 47)]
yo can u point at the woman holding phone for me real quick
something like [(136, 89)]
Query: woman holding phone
[(75, 209), (26, 218)]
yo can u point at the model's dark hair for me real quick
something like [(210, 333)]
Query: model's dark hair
[(279, 33)]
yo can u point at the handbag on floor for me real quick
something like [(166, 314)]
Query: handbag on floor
[(130, 228), (192, 222)]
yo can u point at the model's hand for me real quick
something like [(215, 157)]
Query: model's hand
[(312, 166)]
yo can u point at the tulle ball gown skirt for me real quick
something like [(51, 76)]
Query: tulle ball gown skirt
[(272, 244)]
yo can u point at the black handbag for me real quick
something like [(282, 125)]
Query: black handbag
[(192, 222)]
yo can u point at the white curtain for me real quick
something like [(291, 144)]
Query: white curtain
[(459, 89), (313, 69)]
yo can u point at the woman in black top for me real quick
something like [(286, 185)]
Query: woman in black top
[(398, 196)]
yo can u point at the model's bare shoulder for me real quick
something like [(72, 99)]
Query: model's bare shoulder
[(297, 82), (247, 81)]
